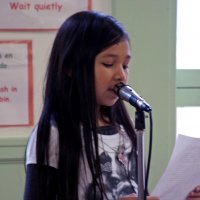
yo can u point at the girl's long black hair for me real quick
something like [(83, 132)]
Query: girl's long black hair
[(69, 98)]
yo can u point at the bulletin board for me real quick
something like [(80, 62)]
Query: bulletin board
[(16, 83), (38, 15)]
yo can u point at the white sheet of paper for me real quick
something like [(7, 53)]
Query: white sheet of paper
[(183, 171)]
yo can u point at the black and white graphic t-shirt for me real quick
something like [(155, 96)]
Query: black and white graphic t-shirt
[(118, 162)]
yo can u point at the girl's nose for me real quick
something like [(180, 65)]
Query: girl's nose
[(120, 74)]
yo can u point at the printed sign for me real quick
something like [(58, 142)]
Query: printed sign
[(16, 93), (38, 14)]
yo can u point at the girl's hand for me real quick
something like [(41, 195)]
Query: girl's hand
[(194, 194)]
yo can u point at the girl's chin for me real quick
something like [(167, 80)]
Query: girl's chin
[(111, 103)]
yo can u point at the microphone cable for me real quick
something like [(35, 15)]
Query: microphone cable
[(149, 154)]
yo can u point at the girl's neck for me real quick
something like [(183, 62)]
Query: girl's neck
[(103, 121)]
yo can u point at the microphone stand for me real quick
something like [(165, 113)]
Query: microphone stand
[(140, 126)]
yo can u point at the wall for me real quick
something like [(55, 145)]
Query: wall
[(152, 29)]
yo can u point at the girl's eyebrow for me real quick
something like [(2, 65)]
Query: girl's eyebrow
[(114, 56)]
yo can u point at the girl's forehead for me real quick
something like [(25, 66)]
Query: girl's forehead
[(118, 49)]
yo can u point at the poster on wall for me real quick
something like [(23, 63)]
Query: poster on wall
[(16, 83), (38, 15)]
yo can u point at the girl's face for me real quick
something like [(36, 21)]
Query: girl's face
[(111, 68)]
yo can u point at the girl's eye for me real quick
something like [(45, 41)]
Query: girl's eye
[(125, 66), (107, 64)]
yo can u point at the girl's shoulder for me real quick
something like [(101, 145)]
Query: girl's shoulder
[(53, 146)]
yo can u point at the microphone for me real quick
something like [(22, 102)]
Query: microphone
[(126, 93)]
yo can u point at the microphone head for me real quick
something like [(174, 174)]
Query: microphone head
[(118, 87), (126, 93)]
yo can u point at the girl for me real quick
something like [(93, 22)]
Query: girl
[(84, 145)]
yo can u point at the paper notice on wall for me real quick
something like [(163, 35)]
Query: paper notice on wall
[(16, 95), (183, 171), (38, 14)]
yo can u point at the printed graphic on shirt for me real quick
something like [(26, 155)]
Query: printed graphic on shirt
[(119, 175)]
